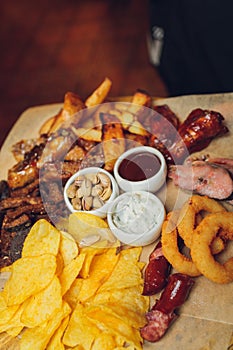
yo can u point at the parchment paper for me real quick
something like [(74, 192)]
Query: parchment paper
[(206, 319)]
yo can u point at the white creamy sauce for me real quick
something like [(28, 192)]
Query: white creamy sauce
[(136, 214)]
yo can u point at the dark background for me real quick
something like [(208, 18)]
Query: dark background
[(50, 47)]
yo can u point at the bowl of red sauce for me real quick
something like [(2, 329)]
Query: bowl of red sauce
[(142, 168)]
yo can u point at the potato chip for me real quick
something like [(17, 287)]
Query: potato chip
[(43, 305), (43, 238), (5, 269), (130, 298), (83, 224), (104, 341), (70, 272), (80, 330), (121, 340), (90, 253), (56, 340), (38, 337), (15, 321), (74, 298), (6, 312), (110, 323), (72, 294), (29, 276), (131, 317), (133, 305), (68, 247), (15, 331), (100, 270), (60, 264), (126, 273)]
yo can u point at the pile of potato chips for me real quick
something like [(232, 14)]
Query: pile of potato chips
[(61, 296)]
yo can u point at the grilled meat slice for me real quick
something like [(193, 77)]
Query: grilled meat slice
[(196, 133), (26, 190), (17, 223), (23, 147), (11, 245), (14, 202), (29, 209), (4, 189), (25, 171)]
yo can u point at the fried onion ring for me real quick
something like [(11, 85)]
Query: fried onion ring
[(201, 253), (170, 247), (188, 219)]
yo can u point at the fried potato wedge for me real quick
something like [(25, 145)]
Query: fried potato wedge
[(99, 95), (47, 126), (72, 104), (88, 134), (142, 98), (112, 139), (137, 128)]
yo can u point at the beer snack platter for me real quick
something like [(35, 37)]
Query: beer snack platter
[(206, 319)]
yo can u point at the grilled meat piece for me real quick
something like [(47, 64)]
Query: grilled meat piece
[(58, 171), (29, 209), (14, 202), (16, 244), (26, 190), (167, 113), (25, 171), (4, 189), (196, 133), (57, 146), (16, 224), (23, 147), (11, 245)]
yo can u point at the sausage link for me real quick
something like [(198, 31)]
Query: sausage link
[(156, 272), (163, 313), (175, 293)]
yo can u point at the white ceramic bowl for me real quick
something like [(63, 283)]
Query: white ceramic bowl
[(102, 211), (151, 184), (136, 218)]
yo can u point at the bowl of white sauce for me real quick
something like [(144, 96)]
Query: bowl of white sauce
[(135, 218)]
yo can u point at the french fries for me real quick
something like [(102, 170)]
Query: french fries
[(110, 124), (112, 138), (88, 134), (99, 95)]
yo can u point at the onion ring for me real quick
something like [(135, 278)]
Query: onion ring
[(188, 219), (201, 253), (170, 247)]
